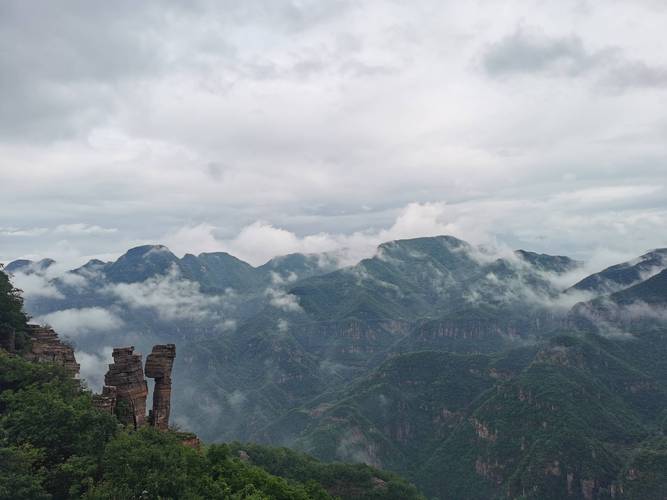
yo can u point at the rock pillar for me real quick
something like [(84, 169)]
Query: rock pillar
[(126, 374), (158, 366)]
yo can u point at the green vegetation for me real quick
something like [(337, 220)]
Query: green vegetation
[(154, 464), (50, 433), (345, 480), (54, 444), (644, 475), (12, 317), (577, 413)]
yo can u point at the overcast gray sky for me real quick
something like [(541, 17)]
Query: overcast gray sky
[(262, 127)]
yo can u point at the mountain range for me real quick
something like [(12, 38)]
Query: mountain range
[(475, 373)]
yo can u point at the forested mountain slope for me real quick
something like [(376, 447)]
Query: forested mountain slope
[(54, 443)]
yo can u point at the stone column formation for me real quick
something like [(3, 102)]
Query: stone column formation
[(127, 376), (158, 366), (126, 389)]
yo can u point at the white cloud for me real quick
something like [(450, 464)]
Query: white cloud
[(282, 300), (575, 222), (94, 366), (83, 229), (260, 241), (310, 126), (228, 324), (604, 195), (35, 285), (189, 239), (171, 297), (15, 231), (278, 279), (283, 325), (79, 281), (236, 400), (79, 322)]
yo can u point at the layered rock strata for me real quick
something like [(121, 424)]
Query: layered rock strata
[(126, 374), (46, 347)]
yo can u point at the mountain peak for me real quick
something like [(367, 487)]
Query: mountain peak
[(142, 262), (94, 262), (445, 239), (26, 266), (219, 256), (146, 250)]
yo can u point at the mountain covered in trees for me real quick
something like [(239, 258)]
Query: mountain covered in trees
[(474, 372), (55, 443)]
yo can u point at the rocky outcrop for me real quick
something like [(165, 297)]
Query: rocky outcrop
[(46, 347), (158, 366), (125, 390), (189, 439), (126, 374)]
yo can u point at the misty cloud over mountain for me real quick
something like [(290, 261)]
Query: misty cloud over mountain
[(332, 321)]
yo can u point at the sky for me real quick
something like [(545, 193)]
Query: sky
[(265, 127)]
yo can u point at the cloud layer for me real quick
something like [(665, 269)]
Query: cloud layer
[(273, 126), (171, 298), (73, 323)]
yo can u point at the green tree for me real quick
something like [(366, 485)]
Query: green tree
[(44, 410), (150, 464), (20, 477), (12, 316)]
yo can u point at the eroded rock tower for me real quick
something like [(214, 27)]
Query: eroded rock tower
[(158, 366), (126, 390), (126, 374)]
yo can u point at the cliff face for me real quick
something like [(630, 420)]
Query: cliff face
[(125, 390), (46, 347)]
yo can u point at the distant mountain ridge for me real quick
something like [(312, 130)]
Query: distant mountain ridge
[(421, 274), (431, 332), (638, 306), (214, 271), (28, 266), (422, 293), (620, 276)]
